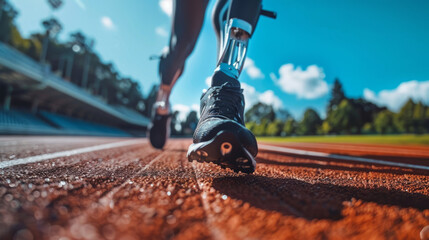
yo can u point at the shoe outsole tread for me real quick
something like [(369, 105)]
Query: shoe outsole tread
[(236, 158)]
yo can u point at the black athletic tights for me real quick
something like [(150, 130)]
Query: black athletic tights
[(188, 16)]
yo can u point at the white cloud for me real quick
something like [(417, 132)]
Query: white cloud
[(80, 4), (308, 84), (107, 23), (196, 108), (166, 6), (251, 97), (395, 98), (161, 31), (209, 81), (251, 69), (184, 110)]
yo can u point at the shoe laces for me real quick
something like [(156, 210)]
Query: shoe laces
[(227, 102)]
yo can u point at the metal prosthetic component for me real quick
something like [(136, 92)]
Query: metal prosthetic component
[(234, 47)]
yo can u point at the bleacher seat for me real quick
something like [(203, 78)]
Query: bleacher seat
[(80, 127), (21, 122), (24, 122)]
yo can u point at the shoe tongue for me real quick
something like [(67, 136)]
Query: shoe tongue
[(230, 82)]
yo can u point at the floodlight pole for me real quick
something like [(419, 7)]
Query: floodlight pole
[(55, 4), (52, 27), (69, 66), (45, 47)]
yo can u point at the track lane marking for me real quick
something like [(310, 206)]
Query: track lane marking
[(340, 157), (108, 197), (47, 156), (376, 149), (216, 233), (107, 200)]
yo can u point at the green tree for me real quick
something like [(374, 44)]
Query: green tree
[(384, 122), (259, 112), (419, 117), (274, 128), (326, 128), (251, 126), (310, 123), (344, 119), (260, 128), (426, 123), (8, 15), (290, 127), (366, 111), (337, 95), (282, 115), (189, 125), (404, 119), (175, 125), (368, 128), (31, 47)]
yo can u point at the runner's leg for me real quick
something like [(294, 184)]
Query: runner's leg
[(188, 16)]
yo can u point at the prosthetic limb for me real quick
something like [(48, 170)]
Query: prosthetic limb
[(234, 27), (221, 136)]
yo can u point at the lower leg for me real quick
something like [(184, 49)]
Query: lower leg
[(187, 20), (188, 16)]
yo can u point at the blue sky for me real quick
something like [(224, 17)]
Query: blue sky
[(378, 49)]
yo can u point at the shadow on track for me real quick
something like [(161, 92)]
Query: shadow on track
[(342, 168), (311, 201)]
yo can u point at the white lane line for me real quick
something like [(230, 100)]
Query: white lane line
[(340, 157), (216, 233), (67, 153), (108, 198)]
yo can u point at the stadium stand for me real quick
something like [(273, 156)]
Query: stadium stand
[(43, 103), (21, 122), (72, 126)]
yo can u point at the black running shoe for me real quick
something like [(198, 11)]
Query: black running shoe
[(159, 129), (221, 136)]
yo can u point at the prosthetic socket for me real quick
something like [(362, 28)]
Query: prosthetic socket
[(233, 48)]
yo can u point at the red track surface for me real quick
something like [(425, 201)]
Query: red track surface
[(137, 192)]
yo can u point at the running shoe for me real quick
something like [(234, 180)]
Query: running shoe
[(159, 129), (220, 136)]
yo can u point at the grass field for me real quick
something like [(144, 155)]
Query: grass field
[(373, 139)]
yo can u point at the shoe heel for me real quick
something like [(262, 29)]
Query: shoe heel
[(224, 150)]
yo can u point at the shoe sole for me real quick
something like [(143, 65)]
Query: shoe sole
[(224, 150)]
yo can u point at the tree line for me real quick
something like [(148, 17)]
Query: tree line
[(343, 116)]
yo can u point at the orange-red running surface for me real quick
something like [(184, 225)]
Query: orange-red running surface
[(125, 189)]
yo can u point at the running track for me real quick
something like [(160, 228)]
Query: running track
[(106, 188)]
